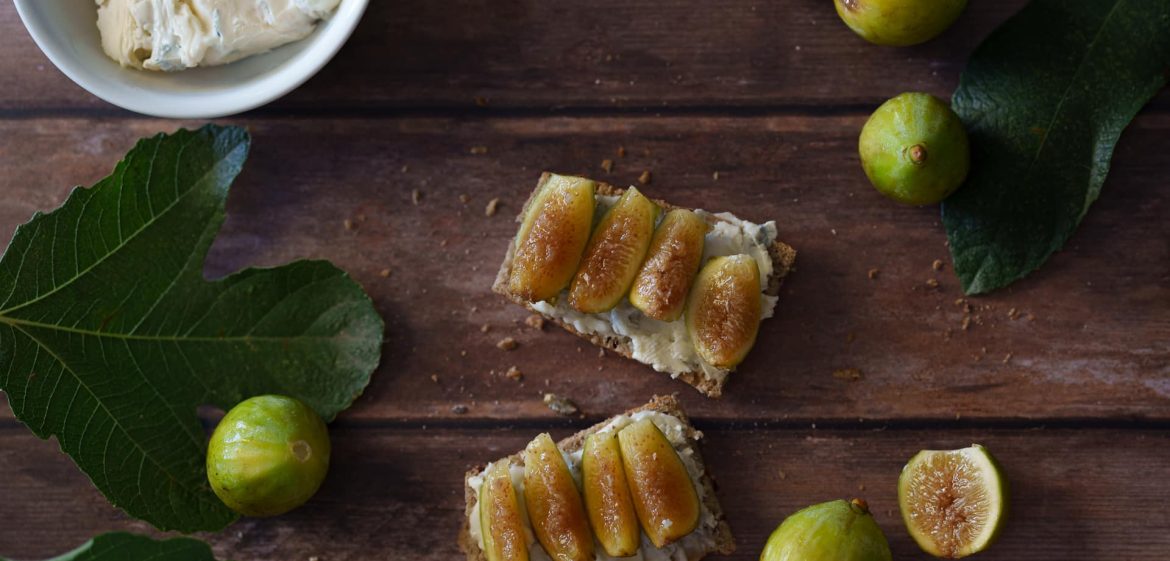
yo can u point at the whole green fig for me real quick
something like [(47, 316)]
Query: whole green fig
[(268, 455), (832, 531), (914, 149), (899, 23)]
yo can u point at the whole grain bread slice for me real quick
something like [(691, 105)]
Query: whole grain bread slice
[(724, 542), (783, 259)]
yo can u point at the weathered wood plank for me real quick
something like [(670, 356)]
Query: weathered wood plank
[(397, 493), (609, 53), (1092, 336)]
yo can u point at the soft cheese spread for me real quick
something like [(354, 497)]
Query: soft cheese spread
[(666, 346), (174, 35), (693, 546)]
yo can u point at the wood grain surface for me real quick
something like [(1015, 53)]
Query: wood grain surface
[(749, 107)]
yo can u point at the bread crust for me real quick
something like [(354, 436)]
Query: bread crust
[(724, 541), (783, 260)]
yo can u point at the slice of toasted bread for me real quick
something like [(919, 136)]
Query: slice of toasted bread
[(721, 539), (783, 258)]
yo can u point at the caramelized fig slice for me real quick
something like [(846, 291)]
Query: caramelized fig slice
[(552, 237), (676, 251), (664, 495), (554, 504), (614, 254), (607, 495), (723, 311), (500, 521)]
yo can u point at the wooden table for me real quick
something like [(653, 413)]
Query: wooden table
[(1073, 395)]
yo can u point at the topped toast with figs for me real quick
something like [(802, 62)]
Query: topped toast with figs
[(683, 291), (634, 484)]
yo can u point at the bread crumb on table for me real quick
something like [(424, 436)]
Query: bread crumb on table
[(937, 265), (415, 196), (485, 328), (479, 150), (535, 321), (850, 374), (644, 179), (932, 283), (492, 206), (607, 165), (507, 344), (561, 405), (384, 273), (873, 273), (459, 409), (514, 373)]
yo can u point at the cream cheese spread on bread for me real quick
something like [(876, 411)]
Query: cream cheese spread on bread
[(693, 546), (174, 35), (666, 346)]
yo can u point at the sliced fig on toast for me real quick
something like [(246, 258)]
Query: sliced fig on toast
[(552, 237), (724, 309), (664, 495), (554, 504), (660, 289), (500, 520), (607, 495), (614, 254)]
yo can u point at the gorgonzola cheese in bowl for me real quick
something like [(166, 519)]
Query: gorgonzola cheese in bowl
[(67, 32)]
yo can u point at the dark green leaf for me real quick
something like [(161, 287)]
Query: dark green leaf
[(119, 546), (1045, 99), (110, 337)]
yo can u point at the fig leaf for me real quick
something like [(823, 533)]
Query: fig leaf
[(132, 547), (110, 337), (1044, 100)]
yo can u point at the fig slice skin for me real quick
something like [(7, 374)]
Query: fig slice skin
[(552, 237), (663, 494), (614, 253), (660, 289), (607, 495), (724, 310), (831, 531), (500, 521), (554, 504)]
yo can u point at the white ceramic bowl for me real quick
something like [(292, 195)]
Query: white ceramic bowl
[(66, 30)]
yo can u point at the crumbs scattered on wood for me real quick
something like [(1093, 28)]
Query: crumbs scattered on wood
[(347, 223), (384, 273), (780, 473), (459, 409), (850, 337), (1013, 314), (481, 101), (932, 283), (715, 176), (535, 321), (607, 165), (966, 323), (479, 150), (873, 273), (435, 378), (937, 265), (600, 353), (621, 151), (490, 209), (416, 196), (485, 328), (514, 373), (507, 344), (644, 179), (850, 374), (463, 198), (1007, 358), (561, 405)]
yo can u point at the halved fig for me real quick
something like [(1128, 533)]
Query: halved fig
[(500, 520), (664, 495), (554, 505), (614, 253), (552, 237), (607, 495), (676, 251), (723, 311)]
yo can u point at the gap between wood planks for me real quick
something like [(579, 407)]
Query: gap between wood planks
[(277, 112)]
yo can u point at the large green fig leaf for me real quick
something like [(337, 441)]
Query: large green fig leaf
[(120, 546), (1045, 99), (110, 337)]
